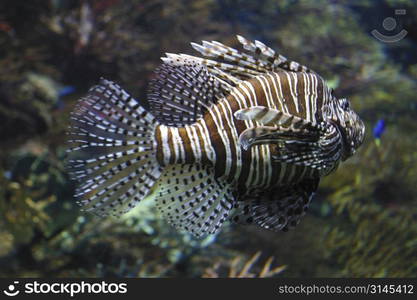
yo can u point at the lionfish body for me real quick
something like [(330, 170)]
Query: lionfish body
[(240, 136)]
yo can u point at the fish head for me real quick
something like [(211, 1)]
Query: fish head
[(349, 123)]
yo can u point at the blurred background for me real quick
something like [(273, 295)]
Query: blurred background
[(362, 222)]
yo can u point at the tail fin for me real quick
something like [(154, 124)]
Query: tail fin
[(112, 153)]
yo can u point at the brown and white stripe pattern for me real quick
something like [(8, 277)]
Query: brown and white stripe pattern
[(213, 139)]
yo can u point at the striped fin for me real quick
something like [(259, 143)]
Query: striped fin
[(278, 127), (227, 81), (192, 199), (239, 64), (313, 158), (297, 146), (223, 72), (111, 151), (298, 141), (260, 60), (323, 155), (182, 93), (275, 135), (274, 60), (279, 209)]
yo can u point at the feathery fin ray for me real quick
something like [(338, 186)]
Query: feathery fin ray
[(261, 59), (279, 209), (270, 116), (298, 141), (182, 91), (274, 135), (192, 199), (111, 150)]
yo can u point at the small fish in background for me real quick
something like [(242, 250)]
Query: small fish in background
[(233, 135), (378, 130), (63, 92)]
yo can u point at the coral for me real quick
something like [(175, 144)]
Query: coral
[(236, 270), (34, 188), (378, 243), (382, 174), (374, 200)]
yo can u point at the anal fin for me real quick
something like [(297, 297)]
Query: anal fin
[(192, 199)]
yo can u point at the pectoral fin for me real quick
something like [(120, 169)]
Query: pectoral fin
[(322, 155), (273, 135), (298, 142), (272, 117)]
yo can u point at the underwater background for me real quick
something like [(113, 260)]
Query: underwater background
[(362, 222)]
